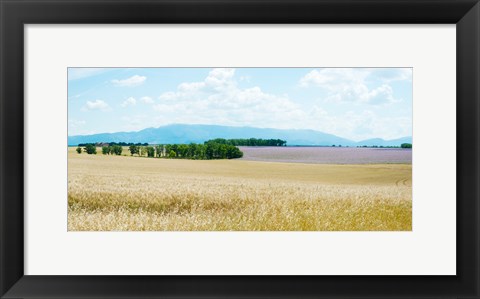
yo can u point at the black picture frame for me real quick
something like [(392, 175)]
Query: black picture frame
[(15, 13)]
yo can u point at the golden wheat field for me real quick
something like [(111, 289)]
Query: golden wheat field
[(123, 193)]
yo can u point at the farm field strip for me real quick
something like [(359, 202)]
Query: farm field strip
[(131, 193), (327, 155)]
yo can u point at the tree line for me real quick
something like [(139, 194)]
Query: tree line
[(100, 144), (251, 142), (403, 145), (210, 150)]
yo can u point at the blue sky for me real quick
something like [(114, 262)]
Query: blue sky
[(354, 103)]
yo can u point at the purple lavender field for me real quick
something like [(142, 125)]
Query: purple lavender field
[(327, 155)]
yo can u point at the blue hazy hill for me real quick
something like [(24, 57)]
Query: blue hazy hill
[(181, 133)]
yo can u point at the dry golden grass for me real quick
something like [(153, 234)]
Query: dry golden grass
[(117, 193)]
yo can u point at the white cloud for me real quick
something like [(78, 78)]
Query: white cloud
[(217, 80), (146, 100), (219, 100), (135, 80), (220, 77), (96, 105), (358, 125), (349, 85), (129, 102), (380, 95)]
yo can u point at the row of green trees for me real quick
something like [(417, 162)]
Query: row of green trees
[(112, 150), (209, 151), (91, 149), (250, 142), (403, 145), (101, 144)]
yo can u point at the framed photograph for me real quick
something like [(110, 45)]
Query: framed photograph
[(239, 149), (224, 154)]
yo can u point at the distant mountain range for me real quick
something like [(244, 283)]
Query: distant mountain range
[(181, 133)]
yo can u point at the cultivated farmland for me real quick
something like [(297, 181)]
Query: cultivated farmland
[(327, 155), (123, 193)]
